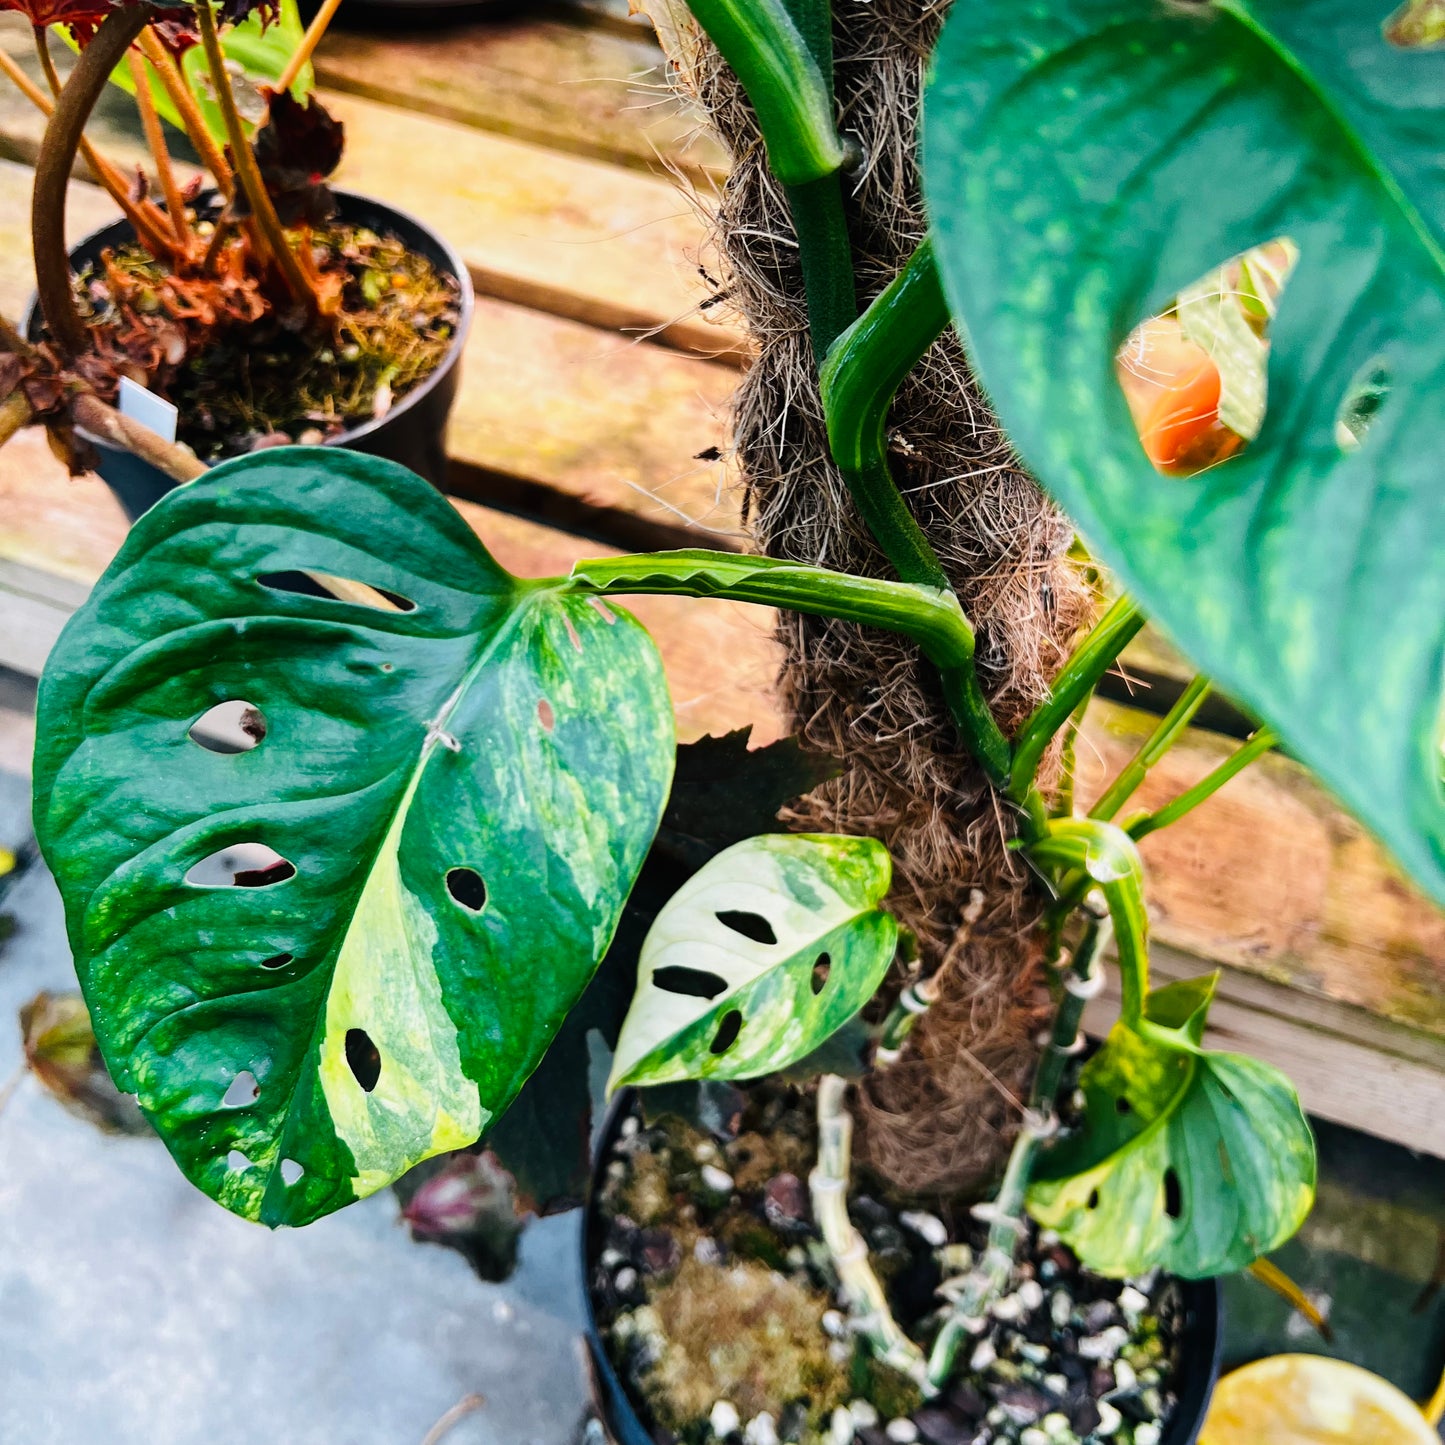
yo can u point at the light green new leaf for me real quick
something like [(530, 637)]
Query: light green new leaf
[(258, 51), (462, 785), (757, 959), (1087, 160), (1191, 1161)]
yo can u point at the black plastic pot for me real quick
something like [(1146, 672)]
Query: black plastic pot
[(1200, 1350), (413, 432)]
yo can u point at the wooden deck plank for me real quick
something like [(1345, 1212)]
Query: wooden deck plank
[(1272, 877), (613, 424), (559, 233), (586, 90), (577, 238)]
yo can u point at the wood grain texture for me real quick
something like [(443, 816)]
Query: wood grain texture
[(591, 91), (57, 532), (570, 423), (1272, 877)]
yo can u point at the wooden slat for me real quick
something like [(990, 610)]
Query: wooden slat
[(1270, 876), (592, 242), (1348, 1066), (586, 90), (57, 532)]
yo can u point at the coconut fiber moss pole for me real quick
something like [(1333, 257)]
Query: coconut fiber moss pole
[(939, 1119)]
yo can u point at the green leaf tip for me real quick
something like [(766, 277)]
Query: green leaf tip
[(453, 791)]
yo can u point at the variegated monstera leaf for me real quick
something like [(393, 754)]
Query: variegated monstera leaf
[(426, 804), (758, 959)]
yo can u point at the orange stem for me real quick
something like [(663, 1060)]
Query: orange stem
[(156, 140), (192, 121)]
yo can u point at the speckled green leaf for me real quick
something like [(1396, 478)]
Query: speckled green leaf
[(1085, 161), (498, 726), (1192, 1161), (784, 939)]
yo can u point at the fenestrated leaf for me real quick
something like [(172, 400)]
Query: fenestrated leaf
[(1192, 1161), (1084, 162), (465, 783), (722, 792), (761, 956)]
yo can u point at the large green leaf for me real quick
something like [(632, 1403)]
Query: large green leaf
[(1191, 1161), (500, 738), (1084, 162), (762, 955)]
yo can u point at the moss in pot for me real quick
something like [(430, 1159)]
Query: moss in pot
[(267, 310), (716, 1316)]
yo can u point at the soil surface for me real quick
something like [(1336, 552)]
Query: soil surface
[(244, 381), (718, 1304)]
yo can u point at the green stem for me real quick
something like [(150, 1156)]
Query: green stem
[(827, 259), (1168, 732), (931, 617), (787, 87), (248, 173), (860, 377), (1080, 985), (1106, 856), (912, 1004), (1141, 826), (1078, 678), (969, 1314)]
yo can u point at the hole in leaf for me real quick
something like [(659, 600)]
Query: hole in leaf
[(693, 982), (291, 1171), (1417, 25), (1094, 1199), (277, 960), (727, 1031), (1173, 1194), (336, 589), (242, 865), (236, 1161), (1361, 405), (1122, 1105), (244, 1090), (573, 636), (363, 1058), (821, 969), (545, 715), (467, 887), (1195, 376), (750, 925), (229, 727), (603, 610)]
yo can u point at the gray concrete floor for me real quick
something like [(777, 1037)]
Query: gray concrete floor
[(133, 1311)]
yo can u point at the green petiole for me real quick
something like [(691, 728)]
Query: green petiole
[(930, 616), (784, 82), (860, 377)]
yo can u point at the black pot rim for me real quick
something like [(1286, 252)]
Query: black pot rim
[(1204, 1304), (347, 201)]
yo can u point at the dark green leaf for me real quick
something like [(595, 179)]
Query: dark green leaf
[(1191, 1161), (724, 792), (462, 791), (1084, 163)]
